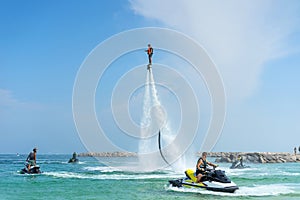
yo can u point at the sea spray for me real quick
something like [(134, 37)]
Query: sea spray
[(154, 119), (146, 119)]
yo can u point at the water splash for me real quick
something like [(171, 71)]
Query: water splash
[(154, 119)]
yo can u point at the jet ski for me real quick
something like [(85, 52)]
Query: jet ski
[(214, 180), (238, 165), (33, 170), (73, 160)]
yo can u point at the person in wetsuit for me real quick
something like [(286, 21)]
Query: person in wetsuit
[(201, 166), (73, 159), (31, 158), (240, 158)]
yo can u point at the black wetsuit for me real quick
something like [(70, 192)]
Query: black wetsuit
[(202, 166)]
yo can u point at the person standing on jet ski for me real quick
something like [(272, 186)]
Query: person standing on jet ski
[(31, 158), (201, 166)]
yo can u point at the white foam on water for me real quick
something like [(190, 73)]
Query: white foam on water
[(238, 172), (257, 191), (290, 173), (64, 174), (265, 190), (102, 169)]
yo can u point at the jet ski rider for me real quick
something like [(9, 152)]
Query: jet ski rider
[(31, 158), (202, 165), (240, 158)]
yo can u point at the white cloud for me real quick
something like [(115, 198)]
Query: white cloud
[(240, 36), (8, 100)]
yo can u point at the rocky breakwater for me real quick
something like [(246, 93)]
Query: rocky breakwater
[(107, 154), (255, 157)]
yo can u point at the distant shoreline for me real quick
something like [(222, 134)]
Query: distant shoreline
[(222, 157), (255, 157)]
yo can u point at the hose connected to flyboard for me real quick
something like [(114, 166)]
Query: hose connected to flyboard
[(159, 146)]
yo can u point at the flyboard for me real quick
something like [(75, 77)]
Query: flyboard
[(149, 67)]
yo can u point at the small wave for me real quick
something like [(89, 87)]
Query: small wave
[(290, 174), (257, 191), (102, 169), (104, 176), (65, 174), (239, 171), (109, 169), (265, 190)]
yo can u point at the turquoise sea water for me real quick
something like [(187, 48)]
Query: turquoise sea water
[(91, 179)]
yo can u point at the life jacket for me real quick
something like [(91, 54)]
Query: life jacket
[(203, 165), (150, 50)]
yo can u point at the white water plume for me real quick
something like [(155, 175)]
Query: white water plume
[(154, 119)]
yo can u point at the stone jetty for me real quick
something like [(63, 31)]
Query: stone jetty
[(107, 154), (255, 157), (226, 157)]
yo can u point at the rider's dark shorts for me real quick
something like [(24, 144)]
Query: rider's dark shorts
[(199, 172)]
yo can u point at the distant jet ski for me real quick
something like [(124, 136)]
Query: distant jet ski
[(237, 165), (33, 170), (73, 160), (214, 180)]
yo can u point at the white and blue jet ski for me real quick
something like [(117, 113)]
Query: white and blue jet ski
[(33, 170)]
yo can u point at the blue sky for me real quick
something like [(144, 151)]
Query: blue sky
[(254, 44)]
